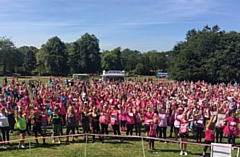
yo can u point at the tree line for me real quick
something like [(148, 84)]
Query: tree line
[(208, 54)]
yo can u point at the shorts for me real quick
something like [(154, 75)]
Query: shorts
[(22, 131), (147, 127), (183, 135), (176, 129)]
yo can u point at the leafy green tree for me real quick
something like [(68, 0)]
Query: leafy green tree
[(84, 55), (10, 57), (130, 58), (29, 61), (55, 57), (111, 60)]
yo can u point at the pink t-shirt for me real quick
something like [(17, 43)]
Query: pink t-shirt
[(163, 120), (153, 129), (147, 116), (130, 118)]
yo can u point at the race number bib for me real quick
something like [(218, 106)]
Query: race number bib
[(200, 121), (233, 126)]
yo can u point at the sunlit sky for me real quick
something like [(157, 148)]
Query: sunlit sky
[(142, 25)]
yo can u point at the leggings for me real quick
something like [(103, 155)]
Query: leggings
[(231, 139), (56, 129), (5, 133), (129, 129), (151, 143), (37, 129), (199, 133), (16, 98), (171, 129), (219, 134), (138, 129), (11, 124), (162, 131), (206, 147), (29, 128), (104, 128), (64, 119), (72, 129), (116, 129), (96, 129), (86, 127), (205, 120), (123, 123)]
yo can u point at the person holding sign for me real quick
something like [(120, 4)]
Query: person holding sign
[(231, 130), (209, 134)]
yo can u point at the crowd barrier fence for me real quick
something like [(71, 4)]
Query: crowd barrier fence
[(117, 136)]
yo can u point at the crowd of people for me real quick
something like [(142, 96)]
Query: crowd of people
[(202, 109)]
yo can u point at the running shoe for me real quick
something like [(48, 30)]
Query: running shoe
[(181, 153)]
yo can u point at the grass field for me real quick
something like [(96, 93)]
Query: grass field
[(111, 148)]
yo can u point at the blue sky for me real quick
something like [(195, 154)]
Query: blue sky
[(142, 25)]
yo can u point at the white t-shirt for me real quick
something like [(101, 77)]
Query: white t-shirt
[(3, 120)]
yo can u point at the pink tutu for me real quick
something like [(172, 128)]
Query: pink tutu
[(122, 117), (228, 132)]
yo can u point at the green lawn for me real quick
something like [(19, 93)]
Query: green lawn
[(111, 148)]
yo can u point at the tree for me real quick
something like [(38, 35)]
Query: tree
[(29, 61), (84, 55), (111, 60), (158, 60), (10, 57), (54, 58), (129, 59)]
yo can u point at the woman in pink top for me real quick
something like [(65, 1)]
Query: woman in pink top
[(147, 117), (209, 134), (26, 113), (231, 130), (138, 121), (122, 116), (114, 121), (183, 132), (130, 121), (162, 125), (199, 124), (44, 120), (104, 121), (153, 124)]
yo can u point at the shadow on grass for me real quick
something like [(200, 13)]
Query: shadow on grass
[(178, 151)]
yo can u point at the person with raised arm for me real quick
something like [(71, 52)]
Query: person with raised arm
[(209, 134), (148, 115), (221, 115), (114, 121), (183, 132), (4, 126), (71, 122), (130, 120), (22, 128), (37, 124), (56, 120), (231, 129), (104, 121), (153, 125)]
